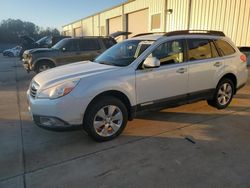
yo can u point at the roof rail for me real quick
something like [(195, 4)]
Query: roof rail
[(195, 32), (142, 34)]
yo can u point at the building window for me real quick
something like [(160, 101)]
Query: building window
[(156, 21)]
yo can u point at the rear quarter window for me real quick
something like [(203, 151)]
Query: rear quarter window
[(224, 47)]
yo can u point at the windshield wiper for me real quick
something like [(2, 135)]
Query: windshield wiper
[(103, 62)]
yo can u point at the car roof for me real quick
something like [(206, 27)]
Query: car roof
[(90, 37), (147, 37), (206, 34)]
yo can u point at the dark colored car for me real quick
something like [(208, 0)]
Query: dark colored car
[(68, 50), (49, 41), (246, 51), (45, 42)]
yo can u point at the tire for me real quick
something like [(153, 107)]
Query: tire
[(43, 66), (108, 125), (11, 54), (223, 94)]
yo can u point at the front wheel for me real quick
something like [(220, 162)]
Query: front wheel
[(223, 95), (43, 66), (105, 119)]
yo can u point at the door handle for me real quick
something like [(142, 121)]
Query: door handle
[(181, 70), (217, 64)]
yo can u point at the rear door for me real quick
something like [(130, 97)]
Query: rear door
[(90, 48), (204, 65)]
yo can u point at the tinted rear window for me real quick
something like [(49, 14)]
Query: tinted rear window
[(224, 47), (90, 44), (108, 42)]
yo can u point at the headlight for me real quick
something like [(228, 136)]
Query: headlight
[(59, 90), (30, 58)]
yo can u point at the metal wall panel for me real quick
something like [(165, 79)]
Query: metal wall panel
[(230, 16), (96, 25), (178, 19), (77, 24), (87, 26), (137, 5), (110, 14)]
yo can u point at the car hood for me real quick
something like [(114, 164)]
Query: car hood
[(40, 50), (8, 50), (71, 71)]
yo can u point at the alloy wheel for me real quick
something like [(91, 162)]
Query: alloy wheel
[(224, 94), (108, 120)]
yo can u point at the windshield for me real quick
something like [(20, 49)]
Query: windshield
[(41, 40), (61, 44), (124, 53)]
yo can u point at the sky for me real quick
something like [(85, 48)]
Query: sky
[(52, 13)]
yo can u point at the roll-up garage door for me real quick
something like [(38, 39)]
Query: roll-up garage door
[(115, 24), (138, 22), (66, 33), (78, 32)]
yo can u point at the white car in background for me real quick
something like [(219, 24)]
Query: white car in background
[(141, 73), (12, 52)]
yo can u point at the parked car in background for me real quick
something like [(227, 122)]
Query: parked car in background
[(246, 51), (138, 74), (49, 41), (12, 52), (26, 42), (45, 42), (66, 51)]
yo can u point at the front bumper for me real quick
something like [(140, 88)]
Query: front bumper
[(65, 113), (54, 123), (27, 66)]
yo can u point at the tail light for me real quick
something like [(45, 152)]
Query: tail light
[(243, 58)]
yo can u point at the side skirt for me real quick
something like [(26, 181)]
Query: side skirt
[(171, 102)]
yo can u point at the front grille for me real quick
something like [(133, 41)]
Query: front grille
[(33, 89)]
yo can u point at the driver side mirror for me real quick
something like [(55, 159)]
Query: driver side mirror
[(151, 62)]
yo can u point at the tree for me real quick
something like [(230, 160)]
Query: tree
[(11, 30)]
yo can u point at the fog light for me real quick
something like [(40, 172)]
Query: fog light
[(50, 121)]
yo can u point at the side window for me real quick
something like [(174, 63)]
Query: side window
[(89, 44), (199, 49), (224, 48), (72, 45), (170, 52)]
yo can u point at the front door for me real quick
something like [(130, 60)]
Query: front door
[(169, 81), (70, 52)]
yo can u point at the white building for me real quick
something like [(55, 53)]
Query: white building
[(140, 16)]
